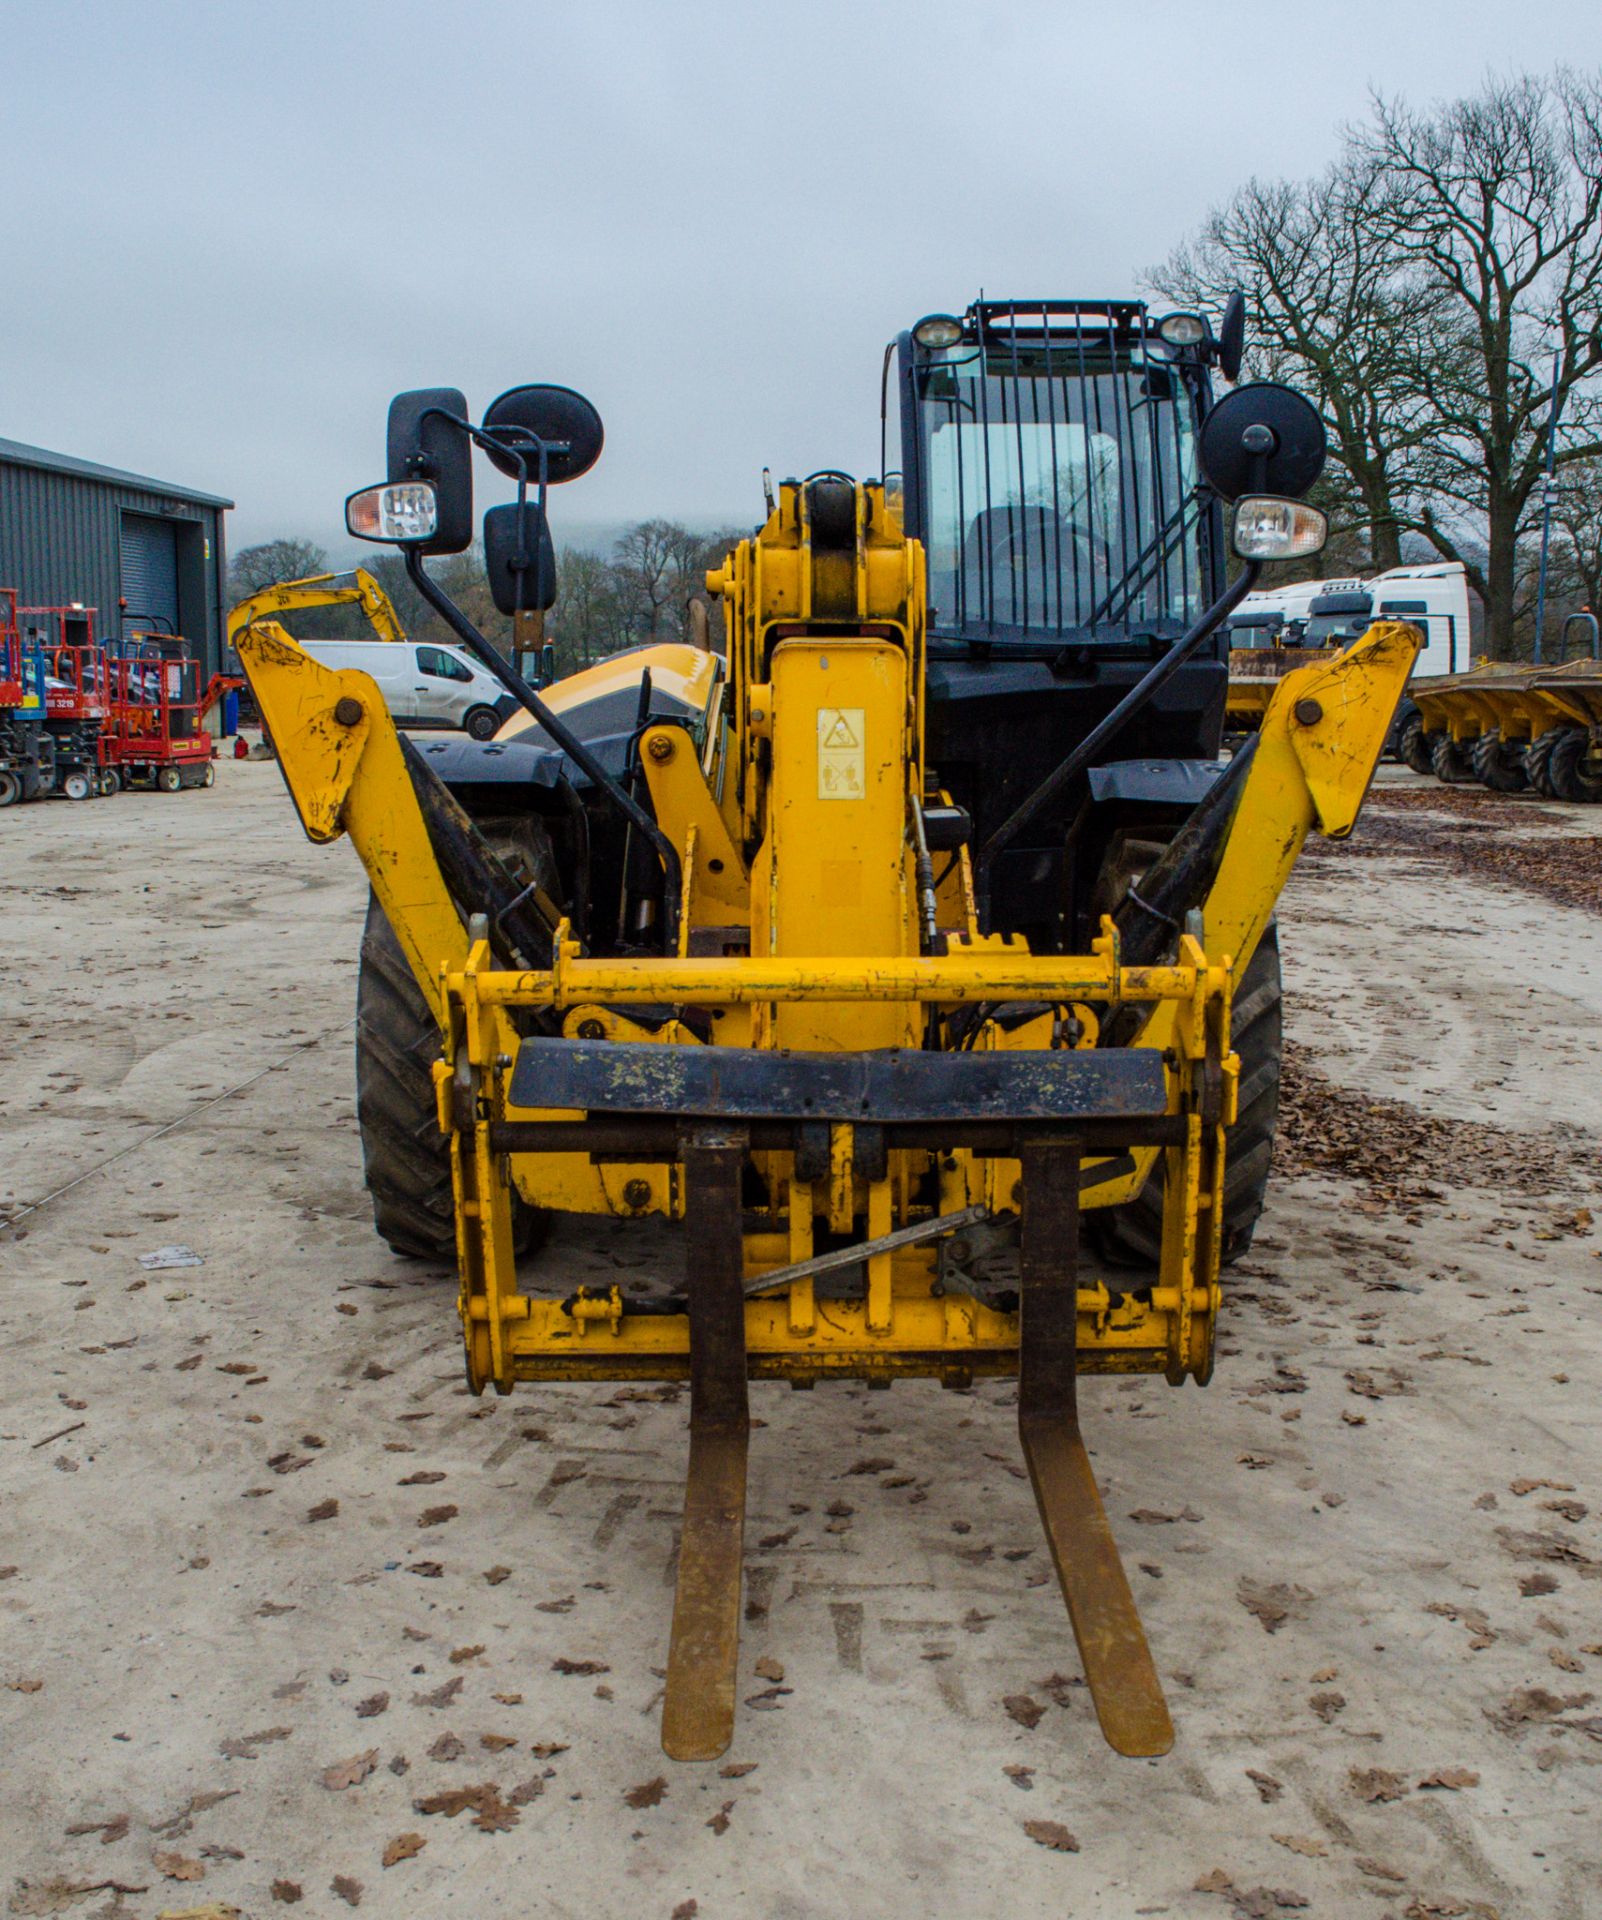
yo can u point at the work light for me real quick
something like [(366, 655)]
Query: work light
[(401, 513), (1182, 329), (1269, 528), (937, 330)]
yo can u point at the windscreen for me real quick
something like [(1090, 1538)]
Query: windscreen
[(1060, 490)]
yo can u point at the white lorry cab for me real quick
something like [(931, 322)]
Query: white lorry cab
[(1320, 613), (425, 686)]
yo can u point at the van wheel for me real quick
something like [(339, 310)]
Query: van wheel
[(483, 723)]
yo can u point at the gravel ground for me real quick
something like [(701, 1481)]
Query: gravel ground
[(287, 1618)]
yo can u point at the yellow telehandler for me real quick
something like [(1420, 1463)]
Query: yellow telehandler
[(924, 916)]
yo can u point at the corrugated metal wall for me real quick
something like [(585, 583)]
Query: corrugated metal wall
[(60, 541)]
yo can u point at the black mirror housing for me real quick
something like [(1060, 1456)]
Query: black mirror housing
[(1232, 337), (552, 414), (530, 588), (424, 445), (1262, 439)]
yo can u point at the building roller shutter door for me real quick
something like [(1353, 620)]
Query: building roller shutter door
[(149, 572)]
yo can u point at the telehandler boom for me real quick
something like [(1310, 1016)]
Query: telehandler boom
[(856, 945)]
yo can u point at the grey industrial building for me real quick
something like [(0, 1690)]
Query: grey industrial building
[(138, 551)]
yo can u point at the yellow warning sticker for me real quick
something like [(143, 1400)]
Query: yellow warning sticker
[(842, 754)]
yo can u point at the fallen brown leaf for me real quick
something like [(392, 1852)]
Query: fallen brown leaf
[(287, 1892), (436, 1516), (1048, 1833), (737, 1769), (1268, 1788), (351, 1772), (441, 1696), (403, 1847), (446, 1747), (1300, 1843), (578, 1666), (244, 1748), (1453, 1779), (349, 1890), (1026, 1711), (1376, 1783), (374, 1704), (769, 1668), (177, 1866), (461, 1655), (324, 1510), (648, 1794)]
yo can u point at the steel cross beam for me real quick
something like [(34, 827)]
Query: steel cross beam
[(1112, 1643), (698, 1710)]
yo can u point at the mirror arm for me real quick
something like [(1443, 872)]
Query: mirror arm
[(569, 742), (1138, 696)]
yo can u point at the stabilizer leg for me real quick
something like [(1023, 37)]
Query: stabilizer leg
[(698, 1711), (1112, 1644)]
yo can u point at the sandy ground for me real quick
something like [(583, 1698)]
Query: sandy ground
[(1363, 1554)]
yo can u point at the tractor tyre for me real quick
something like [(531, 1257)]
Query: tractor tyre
[(1449, 761), (1131, 1235), (1412, 745), (10, 788), (1576, 773), (406, 1157), (1538, 761), (1498, 764)]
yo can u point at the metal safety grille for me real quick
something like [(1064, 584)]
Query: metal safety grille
[(1060, 480)]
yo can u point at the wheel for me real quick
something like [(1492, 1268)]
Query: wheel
[(209, 777), (169, 779), (1575, 770), (1498, 763), (77, 785), (1448, 760), (483, 723), (1412, 746), (406, 1158), (1538, 761), (1132, 1235), (109, 782), (10, 789)]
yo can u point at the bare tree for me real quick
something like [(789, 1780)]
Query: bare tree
[(1495, 202), (273, 561), (645, 558), (1577, 513)]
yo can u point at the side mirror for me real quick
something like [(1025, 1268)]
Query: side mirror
[(519, 559), (1262, 438), (424, 443), (1232, 337), (403, 515), (563, 420)]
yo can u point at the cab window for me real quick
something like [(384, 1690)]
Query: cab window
[(439, 665)]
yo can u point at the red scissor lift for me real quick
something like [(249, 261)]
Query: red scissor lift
[(157, 736), (77, 696), (27, 765)]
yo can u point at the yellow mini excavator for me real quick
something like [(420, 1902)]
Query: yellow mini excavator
[(923, 918)]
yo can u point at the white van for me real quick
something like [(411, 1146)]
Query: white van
[(424, 686), (1314, 613)]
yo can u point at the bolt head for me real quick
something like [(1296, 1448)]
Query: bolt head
[(636, 1193), (347, 711), (591, 1030), (660, 748), (1308, 712)]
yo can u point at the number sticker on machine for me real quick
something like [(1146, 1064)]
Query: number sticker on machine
[(842, 756)]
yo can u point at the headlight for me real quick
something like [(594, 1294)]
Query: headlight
[(403, 512), (1268, 528), (937, 331), (1183, 329)]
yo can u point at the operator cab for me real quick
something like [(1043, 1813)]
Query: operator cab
[(1050, 470)]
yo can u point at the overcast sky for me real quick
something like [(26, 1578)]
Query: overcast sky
[(232, 231)]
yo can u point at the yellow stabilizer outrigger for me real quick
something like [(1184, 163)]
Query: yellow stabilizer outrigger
[(826, 1034)]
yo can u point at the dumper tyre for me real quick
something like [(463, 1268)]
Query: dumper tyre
[(1412, 744), (1499, 764), (1449, 760), (1571, 778), (1538, 761), (1131, 1235), (406, 1157)]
